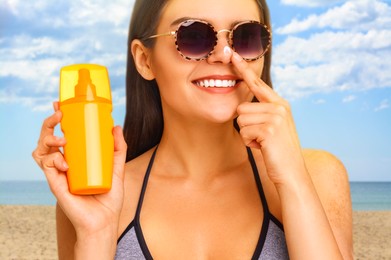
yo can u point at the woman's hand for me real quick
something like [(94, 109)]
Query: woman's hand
[(90, 215), (268, 125)]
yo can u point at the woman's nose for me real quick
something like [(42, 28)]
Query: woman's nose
[(222, 52)]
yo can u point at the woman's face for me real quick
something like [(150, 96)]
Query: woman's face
[(179, 79)]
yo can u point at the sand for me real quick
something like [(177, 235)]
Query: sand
[(372, 235), (28, 232)]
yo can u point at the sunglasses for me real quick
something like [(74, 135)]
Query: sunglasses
[(196, 39)]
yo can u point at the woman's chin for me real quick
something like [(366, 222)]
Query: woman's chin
[(223, 116)]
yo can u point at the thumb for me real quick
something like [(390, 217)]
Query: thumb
[(120, 149)]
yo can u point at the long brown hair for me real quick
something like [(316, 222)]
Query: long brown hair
[(143, 126)]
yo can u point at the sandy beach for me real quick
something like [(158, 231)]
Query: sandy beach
[(28, 232)]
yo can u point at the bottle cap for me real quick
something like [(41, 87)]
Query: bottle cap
[(84, 82)]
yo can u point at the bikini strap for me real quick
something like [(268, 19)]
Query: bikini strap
[(145, 182), (137, 225), (258, 180)]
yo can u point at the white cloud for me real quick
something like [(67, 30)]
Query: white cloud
[(89, 12), (27, 9), (59, 33), (349, 99), (310, 3), (39, 104), (345, 59), (64, 13), (25, 46), (319, 102), (293, 81), (354, 15), (323, 47), (118, 97), (37, 61), (384, 104)]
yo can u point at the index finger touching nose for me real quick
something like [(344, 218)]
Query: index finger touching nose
[(259, 88)]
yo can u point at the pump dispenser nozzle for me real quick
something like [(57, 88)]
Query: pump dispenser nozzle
[(84, 82), (84, 86)]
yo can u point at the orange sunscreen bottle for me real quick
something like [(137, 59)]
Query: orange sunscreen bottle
[(85, 103)]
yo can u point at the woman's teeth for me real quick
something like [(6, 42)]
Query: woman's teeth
[(216, 83)]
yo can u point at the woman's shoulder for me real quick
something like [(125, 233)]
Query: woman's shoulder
[(331, 181), (320, 162), (325, 169)]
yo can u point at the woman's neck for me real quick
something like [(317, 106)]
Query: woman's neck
[(200, 149)]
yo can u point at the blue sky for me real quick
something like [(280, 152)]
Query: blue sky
[(331, 60)]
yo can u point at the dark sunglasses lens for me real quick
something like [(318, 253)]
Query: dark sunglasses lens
[(250, 40), (195, 39)]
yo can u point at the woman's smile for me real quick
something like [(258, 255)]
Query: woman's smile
[(218, 84)]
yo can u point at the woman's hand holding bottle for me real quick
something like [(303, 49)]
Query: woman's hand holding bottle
[(93, 216)]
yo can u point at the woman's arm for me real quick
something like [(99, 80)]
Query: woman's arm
[(332, 185), (99, 245), (268, 125), (317, 211), (66, 235)]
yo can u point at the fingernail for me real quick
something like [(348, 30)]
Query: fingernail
[(237, 57), (65, 165), (227, 50)]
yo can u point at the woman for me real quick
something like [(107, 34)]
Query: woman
[(223, 177)]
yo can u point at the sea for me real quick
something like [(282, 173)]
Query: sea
[(366, 196)]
